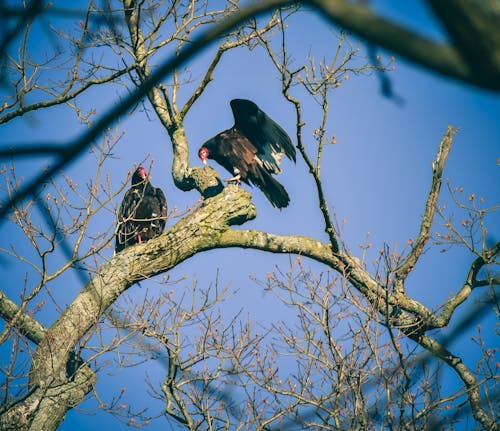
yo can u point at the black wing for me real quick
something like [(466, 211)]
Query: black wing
[(127, 229), (162, 204), (268, 136)]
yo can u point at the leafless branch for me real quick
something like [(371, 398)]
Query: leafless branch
[(410, 261)]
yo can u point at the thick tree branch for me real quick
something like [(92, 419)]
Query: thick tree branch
[(68, 395), (27, 325), (446, 60), (196, 232), (474, 28), (141, 56), (345, 264)]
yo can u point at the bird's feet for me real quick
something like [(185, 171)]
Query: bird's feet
[(234, 180)]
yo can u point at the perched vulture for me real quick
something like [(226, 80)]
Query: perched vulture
[(142, 213), (252, 150)]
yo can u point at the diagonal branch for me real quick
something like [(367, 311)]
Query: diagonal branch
[(446, 60), (197, 232), (466, 376), (194, 233), (474, 28), (223, 48), (315, 170), (471, 282), (27, 325), (410, 261)]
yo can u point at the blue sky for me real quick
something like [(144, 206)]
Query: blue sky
[(376, 177)]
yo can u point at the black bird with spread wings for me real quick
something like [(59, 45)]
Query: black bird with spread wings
[(252, 150), (142, 214)]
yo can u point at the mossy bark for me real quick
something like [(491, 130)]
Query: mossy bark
[(52, 393)]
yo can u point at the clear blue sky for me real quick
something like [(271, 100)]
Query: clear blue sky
[(376, 177)]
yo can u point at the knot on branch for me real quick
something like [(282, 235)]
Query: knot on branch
[(234, 202), (206, 181)]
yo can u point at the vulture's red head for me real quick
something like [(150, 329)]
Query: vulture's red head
[(203, 154), (140, 175)]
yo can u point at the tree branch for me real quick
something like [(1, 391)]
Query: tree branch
[(465, 375), (443, 59), (410, 261), (64, 97), (196, 232), (86, 139), (27, 325), (345, 264), (473, 26), (471, 282)]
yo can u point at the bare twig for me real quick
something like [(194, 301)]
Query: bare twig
[(76, 147)]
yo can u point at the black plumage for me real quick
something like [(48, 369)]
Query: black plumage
[(252, 150), (142, 214)]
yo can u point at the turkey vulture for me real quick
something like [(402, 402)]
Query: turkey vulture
[(142, 213), (252, 150)]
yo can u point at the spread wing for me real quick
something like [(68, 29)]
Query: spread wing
[(265, 134), (234, 151), (253, 149)]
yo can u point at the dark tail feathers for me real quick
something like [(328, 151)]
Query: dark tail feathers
[(274, 191)]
